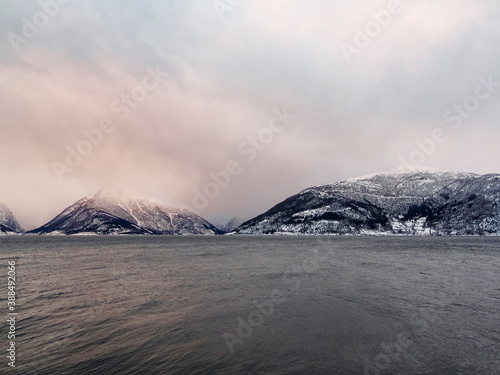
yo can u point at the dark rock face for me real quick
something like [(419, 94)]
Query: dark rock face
[(118, 212), (403, 201), (8, 223)]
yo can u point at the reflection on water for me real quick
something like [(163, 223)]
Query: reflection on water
[(236, 305)]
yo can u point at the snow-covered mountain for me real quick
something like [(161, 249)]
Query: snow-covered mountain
[(406, 200), (118, 211), (229, 225), (8, 223)]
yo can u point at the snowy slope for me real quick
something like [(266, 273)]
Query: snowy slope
[(8, 223), (411, 201), (118, 211)]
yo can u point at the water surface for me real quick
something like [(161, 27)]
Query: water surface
[(254, 305)]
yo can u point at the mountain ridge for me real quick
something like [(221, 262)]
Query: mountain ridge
[(117, 211), (421, 201)]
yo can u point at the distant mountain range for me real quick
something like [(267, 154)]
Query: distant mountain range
[(125, 212), (404, 201)]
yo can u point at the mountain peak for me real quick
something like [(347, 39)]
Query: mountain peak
[(407, 170), (119, 193), (8, 222), (118, 210)]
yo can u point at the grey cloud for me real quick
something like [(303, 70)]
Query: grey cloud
[(224, 80)]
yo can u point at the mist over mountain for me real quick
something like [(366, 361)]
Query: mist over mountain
[(229, 225), (404, 201), (120, 211)]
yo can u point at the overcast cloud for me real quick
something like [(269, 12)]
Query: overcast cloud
[(220, 82)]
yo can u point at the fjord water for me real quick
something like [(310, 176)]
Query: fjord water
[(254, 305)]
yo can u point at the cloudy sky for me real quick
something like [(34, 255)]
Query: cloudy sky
[(155, 95)]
